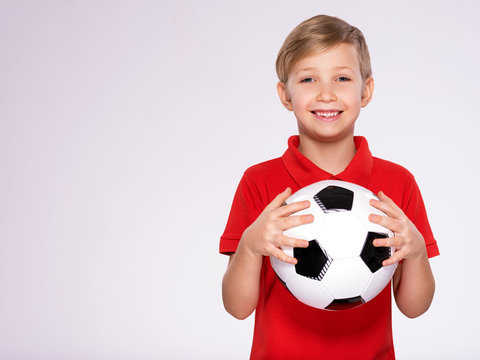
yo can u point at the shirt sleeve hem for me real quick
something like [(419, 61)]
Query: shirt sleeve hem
[(432, 250), (228, 245)]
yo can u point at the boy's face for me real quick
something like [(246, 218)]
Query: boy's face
[(326, 92)]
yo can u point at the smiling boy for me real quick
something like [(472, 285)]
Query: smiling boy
[(325, 80)]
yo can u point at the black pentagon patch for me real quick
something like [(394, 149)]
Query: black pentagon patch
[(313, 262), (334, 198), (374, 256), (343, 304)]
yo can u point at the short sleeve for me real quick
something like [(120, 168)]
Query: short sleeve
[(414, 207), (245, 209)]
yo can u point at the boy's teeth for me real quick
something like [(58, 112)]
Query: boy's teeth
[(327, 114)]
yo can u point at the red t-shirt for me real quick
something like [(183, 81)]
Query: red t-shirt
[(285, 328)]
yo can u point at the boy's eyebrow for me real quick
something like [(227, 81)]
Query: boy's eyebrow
[(340, 67), (343, 67), (304, 69)]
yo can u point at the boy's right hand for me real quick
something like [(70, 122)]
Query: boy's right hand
[(265, 235)]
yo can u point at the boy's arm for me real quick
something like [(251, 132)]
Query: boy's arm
[(241, 282), (414, 286), (413, 281)]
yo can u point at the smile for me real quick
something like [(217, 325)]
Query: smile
[(327, 115)]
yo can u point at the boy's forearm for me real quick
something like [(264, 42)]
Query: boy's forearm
[(241, 283), (415, 287)]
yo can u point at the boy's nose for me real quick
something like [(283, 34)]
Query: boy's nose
[(325, 94)]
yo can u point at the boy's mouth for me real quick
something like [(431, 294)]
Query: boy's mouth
[(325, 115)]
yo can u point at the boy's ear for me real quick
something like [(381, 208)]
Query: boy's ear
[(367, 92), (284, 96)]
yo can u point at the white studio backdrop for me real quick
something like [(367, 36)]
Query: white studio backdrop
[(125, 127)]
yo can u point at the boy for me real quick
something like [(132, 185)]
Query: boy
[(325, 79)]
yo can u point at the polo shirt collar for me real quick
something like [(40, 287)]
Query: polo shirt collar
[(304, 172)]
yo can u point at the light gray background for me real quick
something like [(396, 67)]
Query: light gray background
[(125, 127)]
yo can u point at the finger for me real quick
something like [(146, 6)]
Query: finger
[(386, 205), (385, 221), (292, 208), (280, 198), (394, 241), (387, 208), (395, 258), (295, 220), (292, 242), (280, 255)]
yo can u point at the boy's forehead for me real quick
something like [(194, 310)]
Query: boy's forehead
[(340, 57)]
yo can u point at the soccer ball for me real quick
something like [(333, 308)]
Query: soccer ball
[(340, 269)]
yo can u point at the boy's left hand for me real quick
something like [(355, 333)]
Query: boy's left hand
[(407, 240)]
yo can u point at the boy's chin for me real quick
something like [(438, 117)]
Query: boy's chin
[(327, 137)]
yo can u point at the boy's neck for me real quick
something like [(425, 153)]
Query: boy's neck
[(332, 157)]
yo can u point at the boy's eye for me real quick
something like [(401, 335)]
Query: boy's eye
[(343, 78), (307, 80)]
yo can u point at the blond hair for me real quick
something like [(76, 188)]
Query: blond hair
[(319, 34)]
